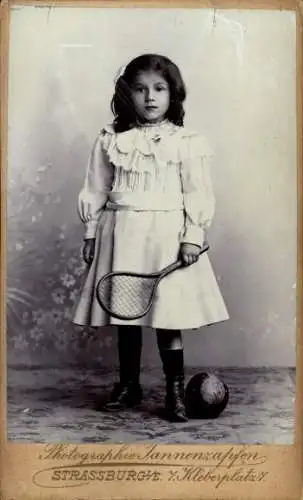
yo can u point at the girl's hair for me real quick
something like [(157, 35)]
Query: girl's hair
[(125, 116)]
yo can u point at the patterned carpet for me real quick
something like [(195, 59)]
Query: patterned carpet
[(60, 405)]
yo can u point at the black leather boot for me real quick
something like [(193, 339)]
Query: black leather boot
[(127, 393), (124, 395), (173, 366)]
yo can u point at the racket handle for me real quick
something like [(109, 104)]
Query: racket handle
[(179, 263), (172, 267), (205, 247)]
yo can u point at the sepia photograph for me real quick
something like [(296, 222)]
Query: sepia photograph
[(151, 226)]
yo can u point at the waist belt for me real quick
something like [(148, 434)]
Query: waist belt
[(146, 201)]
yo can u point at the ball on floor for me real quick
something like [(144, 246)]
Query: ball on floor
[(206, 396)]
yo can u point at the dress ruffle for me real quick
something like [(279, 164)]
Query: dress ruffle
[(140, 148)]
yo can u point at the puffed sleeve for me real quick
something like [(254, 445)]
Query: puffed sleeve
[(97, 184), (198, 196)]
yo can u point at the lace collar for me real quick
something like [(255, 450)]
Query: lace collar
[(157, 144)]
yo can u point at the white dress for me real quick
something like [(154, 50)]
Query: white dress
[(147, 190)]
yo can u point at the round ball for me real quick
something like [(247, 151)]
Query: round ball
[(206, 396)]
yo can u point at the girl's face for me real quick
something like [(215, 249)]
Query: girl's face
[(151, 96)]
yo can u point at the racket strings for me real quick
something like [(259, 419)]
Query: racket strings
[(125, 295)]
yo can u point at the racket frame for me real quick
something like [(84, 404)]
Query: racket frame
[(159, 275)]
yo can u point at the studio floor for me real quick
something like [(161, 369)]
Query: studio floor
[(61, 405)]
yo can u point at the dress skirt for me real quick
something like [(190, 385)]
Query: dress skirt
[(146, 242)]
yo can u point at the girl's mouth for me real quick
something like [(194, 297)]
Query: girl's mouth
[(151, 108)]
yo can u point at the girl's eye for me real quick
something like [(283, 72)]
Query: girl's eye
[(138, 89), (160, 89)]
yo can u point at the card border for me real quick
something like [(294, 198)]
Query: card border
[(283, 461)]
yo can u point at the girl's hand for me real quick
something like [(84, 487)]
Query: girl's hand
[(89, 250), (189, 253)]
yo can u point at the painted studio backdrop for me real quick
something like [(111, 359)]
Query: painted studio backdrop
[(239, 68)]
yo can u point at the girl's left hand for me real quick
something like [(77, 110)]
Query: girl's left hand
[(189, 253)]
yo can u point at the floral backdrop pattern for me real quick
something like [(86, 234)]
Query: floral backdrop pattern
[(44, 274)]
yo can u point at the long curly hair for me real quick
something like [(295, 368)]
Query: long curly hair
[(125, 116)]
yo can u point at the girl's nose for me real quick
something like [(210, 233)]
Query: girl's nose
[(150, 95)]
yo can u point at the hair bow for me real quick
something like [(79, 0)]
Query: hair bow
[(119, 73)]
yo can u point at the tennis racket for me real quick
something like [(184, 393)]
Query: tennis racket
[(127, 295)]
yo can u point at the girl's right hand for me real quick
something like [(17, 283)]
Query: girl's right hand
[(89, 250)]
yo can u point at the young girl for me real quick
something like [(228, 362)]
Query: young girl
[(147, 200)]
